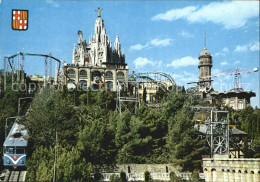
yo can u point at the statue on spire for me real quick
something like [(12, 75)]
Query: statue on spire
[(99, 10)]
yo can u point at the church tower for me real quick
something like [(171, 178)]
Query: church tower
[(205, 65)]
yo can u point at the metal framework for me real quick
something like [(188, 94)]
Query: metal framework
[(218, 132), (124, 101), (156, 78), (19, 66)]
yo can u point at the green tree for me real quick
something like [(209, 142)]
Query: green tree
[(72, 167), (185, 147)]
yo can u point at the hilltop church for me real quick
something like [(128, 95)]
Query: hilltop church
[(96, 64)]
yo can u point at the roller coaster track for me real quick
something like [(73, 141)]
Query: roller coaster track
[(30, 54), (154, 81), (158, 73), (14, 176)]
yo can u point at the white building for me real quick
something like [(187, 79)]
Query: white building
[(96, 64)]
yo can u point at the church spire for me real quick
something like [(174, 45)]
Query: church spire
[(117, 44)]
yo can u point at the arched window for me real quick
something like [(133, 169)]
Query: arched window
[(240, 104), (96, 76), (109, 85), (83, 85), (120, 75), (109, 75), (83, 74), (71, 73)]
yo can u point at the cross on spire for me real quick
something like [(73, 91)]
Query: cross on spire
[(99, 10)]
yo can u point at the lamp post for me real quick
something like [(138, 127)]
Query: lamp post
[(19, 103), (6, 127)]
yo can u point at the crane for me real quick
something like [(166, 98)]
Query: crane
[(237, 73)]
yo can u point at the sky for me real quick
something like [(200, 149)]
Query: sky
[(162, 36)]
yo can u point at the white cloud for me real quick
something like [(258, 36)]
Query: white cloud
[(138, 47), (163, 42), (175, 14), (254, 46), (224, 63), (218, 54), (153, 43), (183, 62), (241, 48), (251, 46), (183, 79), (186, 34), (231, 15), (141, 62), (225, 49)]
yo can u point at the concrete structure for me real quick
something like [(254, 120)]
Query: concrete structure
[(230, 169), (96, 64), (135, 172), (237, 99)]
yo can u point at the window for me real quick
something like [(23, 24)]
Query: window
[(96, 76), (240, 104), (83, 74), (20, 151), (120, 75), (109, 85), (83, 85), (71, 73), (109, 75), (9, 150), (151, 97)]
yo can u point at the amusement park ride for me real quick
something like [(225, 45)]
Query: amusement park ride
[(18, 67)]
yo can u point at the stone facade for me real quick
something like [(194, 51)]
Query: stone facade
[(96, 64), (231, 169), (205, 64)]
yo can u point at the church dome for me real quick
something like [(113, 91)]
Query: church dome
[(205, 52)]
